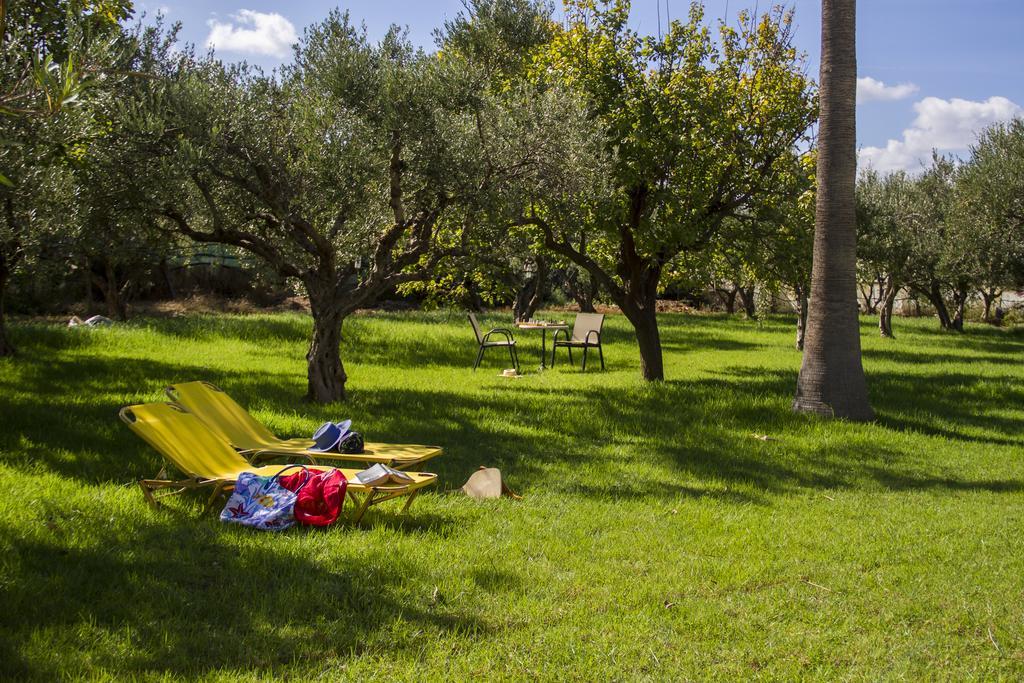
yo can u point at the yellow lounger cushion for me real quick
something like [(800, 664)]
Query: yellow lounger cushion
[(198, 452), (233, 423)]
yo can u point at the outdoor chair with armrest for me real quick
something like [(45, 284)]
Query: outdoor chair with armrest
[(485, 342), (207, 461), (586, 334)]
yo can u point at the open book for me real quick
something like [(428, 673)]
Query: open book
[(381, 474)]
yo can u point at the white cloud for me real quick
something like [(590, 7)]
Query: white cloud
[(945, 125), (256, 33), (873, 90)]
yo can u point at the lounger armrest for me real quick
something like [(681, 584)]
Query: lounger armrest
[(261, 456), (565, 333), (595, 333)]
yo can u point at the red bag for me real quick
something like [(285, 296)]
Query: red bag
[(320, 495)]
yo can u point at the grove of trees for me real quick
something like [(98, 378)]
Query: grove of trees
[(523, 157)]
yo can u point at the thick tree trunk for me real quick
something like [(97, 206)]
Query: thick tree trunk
[(886, 306), (325, 372), (644, 318), (831, 378), (801, 316), (6, 348), (749, 301)]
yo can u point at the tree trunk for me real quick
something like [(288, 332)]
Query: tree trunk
[(532, 294), (801, 316), (989, 296), (113, 295), (583, 290), (585, 298), (961, 295), (749, 301), (6, 348), (886, 306), (644, 318), (325, 372), (728, 297), (876, 302), (831, 380), (867, 296), (938, 302), (165, 271)]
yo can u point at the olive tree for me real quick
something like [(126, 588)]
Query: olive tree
[(53, 58), (989, 212), (336, 173)]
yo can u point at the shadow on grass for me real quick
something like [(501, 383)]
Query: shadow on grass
[(924, 357), (182, 597), (937, 405), (61, 414)]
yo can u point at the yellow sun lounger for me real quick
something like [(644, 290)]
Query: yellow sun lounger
[(234, 424), (207, 460)]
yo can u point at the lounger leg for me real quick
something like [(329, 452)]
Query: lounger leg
[(600, 354), (571, 361), (512, 355), (217, 490), (585, 349), (147, 493), (515, 359), (361, 509), (479, 357), (554, 348), (409, 500)]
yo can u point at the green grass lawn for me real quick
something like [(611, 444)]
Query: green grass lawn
[(657, 537)]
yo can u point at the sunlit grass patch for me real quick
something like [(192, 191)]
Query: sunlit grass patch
[(691, 529)]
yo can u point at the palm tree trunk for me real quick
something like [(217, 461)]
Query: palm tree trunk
[(831, 378)]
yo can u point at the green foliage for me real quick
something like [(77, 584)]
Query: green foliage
[(990, 207), (698, 128), (950, 231)]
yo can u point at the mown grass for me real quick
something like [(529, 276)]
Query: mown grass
[(657, 538)]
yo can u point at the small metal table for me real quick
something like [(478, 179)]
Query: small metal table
[(543, 327)]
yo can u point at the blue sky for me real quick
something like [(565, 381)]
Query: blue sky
[(933, 72)]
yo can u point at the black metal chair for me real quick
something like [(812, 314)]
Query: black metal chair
[(586, 334), (485, 342)]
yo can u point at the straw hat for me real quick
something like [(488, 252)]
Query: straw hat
[(486, 482)]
